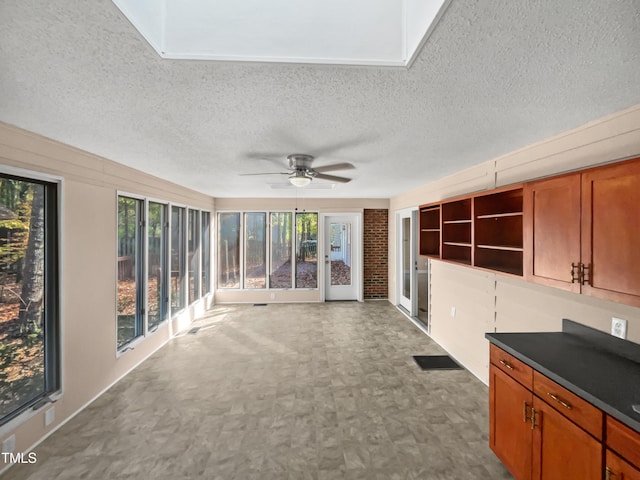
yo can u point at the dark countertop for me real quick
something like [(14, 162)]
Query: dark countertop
[(587, 365)]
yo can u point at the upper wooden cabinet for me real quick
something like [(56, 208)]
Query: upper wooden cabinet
[(552, 231), (430, 231), (582, 231)]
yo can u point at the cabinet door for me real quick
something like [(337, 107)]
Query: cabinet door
[(552, 231), (561, 449), (509, 430), (611, 232), (619, 469)]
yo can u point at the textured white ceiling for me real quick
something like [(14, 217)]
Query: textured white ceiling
[(492, 77), (357, 32)]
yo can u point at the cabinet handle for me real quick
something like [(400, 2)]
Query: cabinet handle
[(575, 272), (566, 405), (585, 274), (506, 364), (533, 418), (609, 474)]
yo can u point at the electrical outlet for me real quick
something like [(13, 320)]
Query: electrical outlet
[(618, 327), (273, 296), (453, 312), (9, 444)]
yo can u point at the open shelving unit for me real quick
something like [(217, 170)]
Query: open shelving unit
[(430, 231), (498, 231), (483, 230), (456, 231)]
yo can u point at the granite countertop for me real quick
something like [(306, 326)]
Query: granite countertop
[(602, 369)]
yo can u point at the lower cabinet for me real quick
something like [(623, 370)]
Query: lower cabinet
[(510, 431), (531, 434), (561, 449), (619, 469)]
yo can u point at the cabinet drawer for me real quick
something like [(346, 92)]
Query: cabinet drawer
[(511, 366), (570, 405), (618, 469), (623, 440)]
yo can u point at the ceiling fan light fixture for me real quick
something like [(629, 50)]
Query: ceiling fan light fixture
[(299, 179)]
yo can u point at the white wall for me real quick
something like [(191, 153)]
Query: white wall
[(88, 269), (487, 302)]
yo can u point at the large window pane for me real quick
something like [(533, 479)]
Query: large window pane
[(129, 270), (156, 264), (194, 255), (28, 294), (178, 263), (281, 228), (229, 250), (255, 253), (306, 250), (206, 253)]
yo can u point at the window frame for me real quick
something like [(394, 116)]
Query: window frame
[(242, 248), (53, 305)]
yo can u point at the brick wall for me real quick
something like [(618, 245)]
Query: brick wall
[(376, 260)]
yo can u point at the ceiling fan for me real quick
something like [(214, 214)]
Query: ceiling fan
[(301, 172)]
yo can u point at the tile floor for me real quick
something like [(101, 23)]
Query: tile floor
[(322, 391)]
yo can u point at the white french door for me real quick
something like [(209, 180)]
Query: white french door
[(342, 251), (406, 225)]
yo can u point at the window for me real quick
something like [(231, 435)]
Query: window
[(194, 255), (280, 271), (178, 262), (29, 316), (229, 250), (156, 264), (255, 272), (130, 299), (206, 253), (272, 253), (306, 250)]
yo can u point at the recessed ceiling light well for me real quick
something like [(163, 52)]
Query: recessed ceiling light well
[(358, 32)]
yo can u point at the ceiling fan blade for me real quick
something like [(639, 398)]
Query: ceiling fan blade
[(335, 166), (265, 173), (332, 178)]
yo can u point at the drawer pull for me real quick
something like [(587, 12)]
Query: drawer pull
[(506, 364), (609, 474), (560, 401), (533, 418), (525, 417)]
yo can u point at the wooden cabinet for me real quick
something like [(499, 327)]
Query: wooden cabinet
[(498, 241), (611, 232), (623, 452), (619, 469), (582, 231), (456, 231), (552, 231), (430, 231), (538, 429), (561, 449), (482, 230), (510, 430)]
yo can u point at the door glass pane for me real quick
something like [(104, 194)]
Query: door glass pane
[(340, 236), (156, 266), (306, 250), (129, 263), (229, 250), (177, 259), (193, 241), (206, 254), (22, 285), (281, 231), (255, 250), (406, 257)]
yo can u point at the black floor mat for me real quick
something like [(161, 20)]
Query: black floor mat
[(436, 362)]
